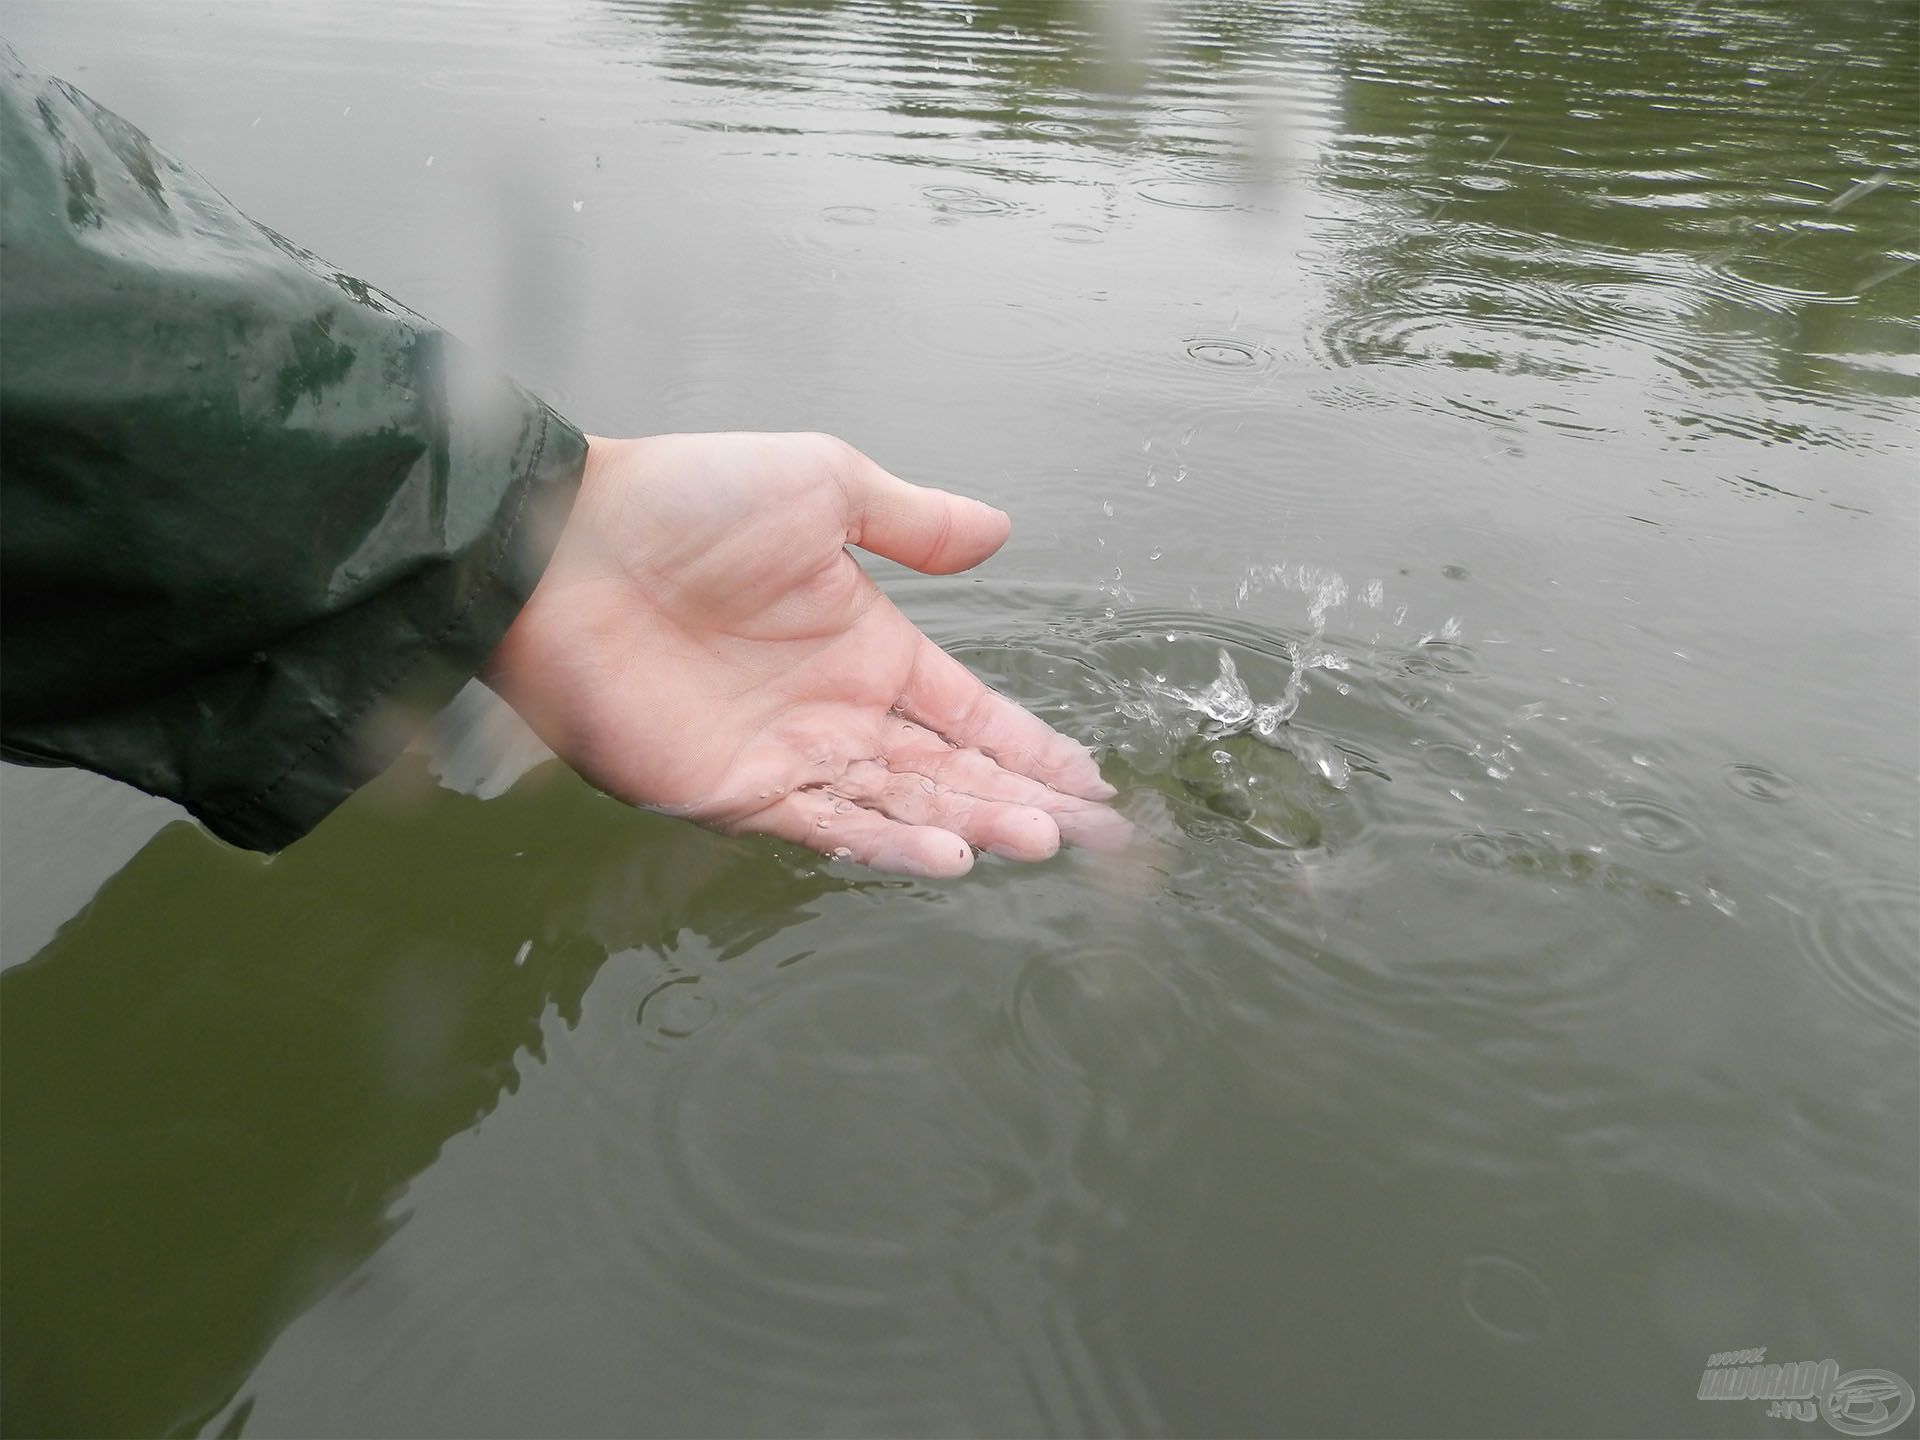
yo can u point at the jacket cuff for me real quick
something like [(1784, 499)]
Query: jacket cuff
[(352, 748)]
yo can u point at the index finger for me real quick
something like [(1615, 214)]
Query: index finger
[(949, 699)]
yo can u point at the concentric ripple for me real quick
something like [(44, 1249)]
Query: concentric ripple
[(1757, 782), (1190, 194), (1654, 825), (792, 1199), (1862, 939), (1228, 354), (965, 200), (994, 333)]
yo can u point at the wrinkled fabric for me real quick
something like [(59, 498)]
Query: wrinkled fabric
[(257, 519)]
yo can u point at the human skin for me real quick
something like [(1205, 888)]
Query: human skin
[(702, 643)]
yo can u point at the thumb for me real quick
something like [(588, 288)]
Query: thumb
[(933, 531)]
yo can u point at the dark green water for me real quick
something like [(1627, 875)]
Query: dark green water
[(1537, 381)]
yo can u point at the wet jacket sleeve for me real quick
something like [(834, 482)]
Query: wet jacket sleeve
[(256, 518)]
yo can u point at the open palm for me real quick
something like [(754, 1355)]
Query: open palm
[(702, 643)]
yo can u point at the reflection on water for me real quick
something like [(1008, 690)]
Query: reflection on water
[(1462, 462)]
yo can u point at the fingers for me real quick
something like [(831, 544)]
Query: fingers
[(910, 749), (1012, 830), (834, 825), (947, 698), (930, 530)]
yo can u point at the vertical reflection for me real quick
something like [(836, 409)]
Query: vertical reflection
[(222, 1075)]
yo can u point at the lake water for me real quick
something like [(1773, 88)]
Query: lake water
[(1525, 392)]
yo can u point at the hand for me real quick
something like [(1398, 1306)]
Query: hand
[(702, 643)]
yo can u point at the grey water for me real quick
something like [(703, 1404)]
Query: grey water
[(1463, 466)]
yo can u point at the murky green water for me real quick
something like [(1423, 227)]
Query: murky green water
[(1530, 1016)]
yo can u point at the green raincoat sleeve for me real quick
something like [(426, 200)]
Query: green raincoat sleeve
[(256, 518)]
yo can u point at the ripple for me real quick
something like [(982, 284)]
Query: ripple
[(1190, 194), (675, 1008), (1058, 129), (965, 200), (995, 333), (1454, 762), (850, 214), (1520, 852), (783, 1203), (1862, 938), (1228, 354), (521, 80), (1887, 797), (1756, 782), (1200, 115), (1506, 1299), (1519, 315), (1655, 826), (1074, 233), (1440, 657)]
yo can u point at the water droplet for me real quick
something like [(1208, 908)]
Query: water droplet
[(578, 206), (841, 807), (1155, 553), (841, 853)]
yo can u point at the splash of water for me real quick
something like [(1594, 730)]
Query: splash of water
[(1230, 707)]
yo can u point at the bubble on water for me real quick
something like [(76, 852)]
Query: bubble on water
[(1155, 553), (1106, 508)]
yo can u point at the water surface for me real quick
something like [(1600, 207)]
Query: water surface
[(1463, 466)]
